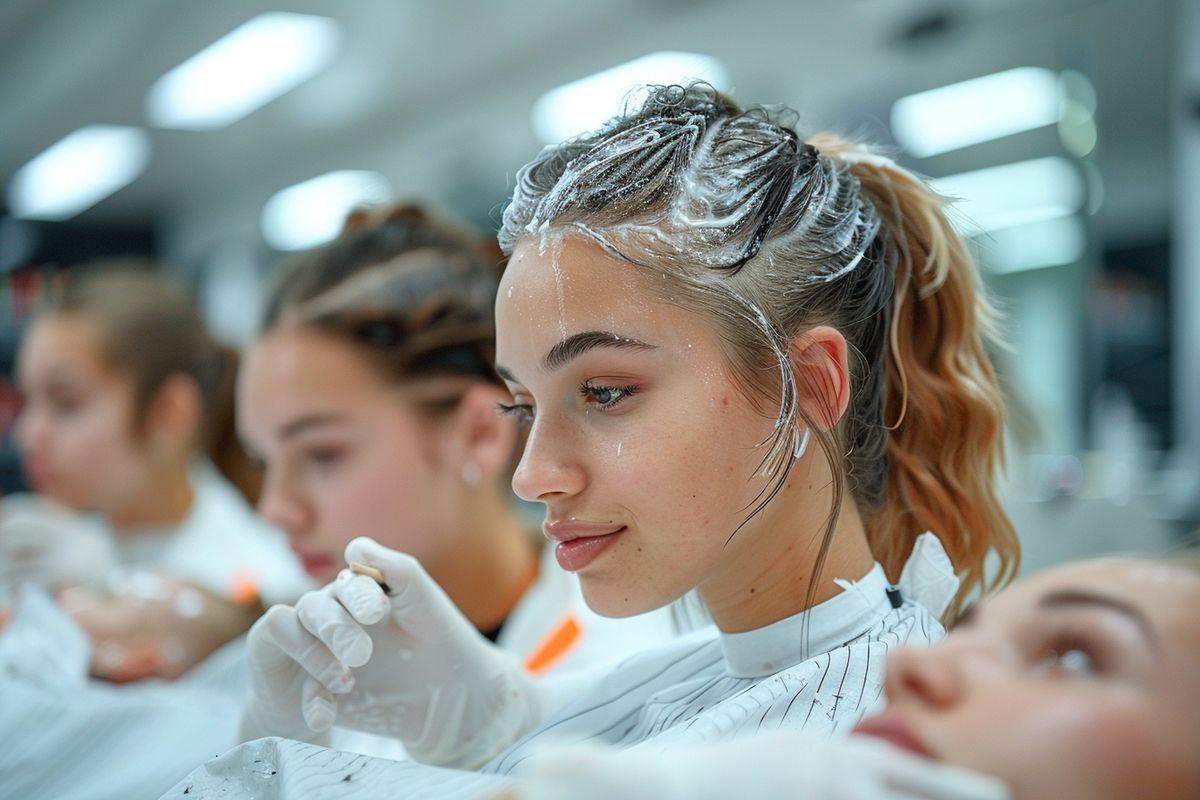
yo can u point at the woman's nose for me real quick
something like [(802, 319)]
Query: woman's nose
[(281, 507), (549, 468)]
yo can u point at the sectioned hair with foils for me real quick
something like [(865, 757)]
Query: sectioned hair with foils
[(741, 219)]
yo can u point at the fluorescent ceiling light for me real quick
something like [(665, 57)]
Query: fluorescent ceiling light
[(311, 213), (242, 71), (585, 104), (78, 172), (977, 110), (1015, 194), (1049, 243)]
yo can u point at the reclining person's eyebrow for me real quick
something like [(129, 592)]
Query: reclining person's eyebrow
[(1077, 597)]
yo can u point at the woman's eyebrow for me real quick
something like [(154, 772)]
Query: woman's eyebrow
[(1079, 597), (576, 345), (307, 422)]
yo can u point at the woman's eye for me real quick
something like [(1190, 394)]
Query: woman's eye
[(606, 397), (1069, 660), (65, 406), (324, 457), (522, 411)]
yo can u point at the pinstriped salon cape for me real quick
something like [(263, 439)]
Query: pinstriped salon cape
[(700, 688)]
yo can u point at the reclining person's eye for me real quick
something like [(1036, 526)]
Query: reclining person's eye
[(1069, 657)]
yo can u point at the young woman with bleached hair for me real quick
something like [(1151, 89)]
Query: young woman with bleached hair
[(754, 371)]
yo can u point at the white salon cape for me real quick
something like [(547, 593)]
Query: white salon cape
[(69, 738), (66, 736), (819, 671), (222, 545)]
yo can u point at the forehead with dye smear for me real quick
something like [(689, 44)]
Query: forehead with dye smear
[(559, 284)]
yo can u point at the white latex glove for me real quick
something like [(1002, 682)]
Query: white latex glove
[(42, 544), (409, 666), (42, 645), (781, 764)]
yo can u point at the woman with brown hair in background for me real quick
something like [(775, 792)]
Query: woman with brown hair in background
[(371, 400), (127, 417)]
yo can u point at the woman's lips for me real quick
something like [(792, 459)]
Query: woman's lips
[(894, 731), (580, 543), (315, 564)]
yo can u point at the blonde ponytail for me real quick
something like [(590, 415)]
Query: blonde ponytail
[(943, 407)]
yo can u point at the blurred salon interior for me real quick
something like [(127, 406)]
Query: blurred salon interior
[(215, 138)]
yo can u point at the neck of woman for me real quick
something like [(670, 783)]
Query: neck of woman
[(503, 563), (769, 569), (162, 501)]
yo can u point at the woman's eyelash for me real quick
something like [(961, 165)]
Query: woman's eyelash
[(607, 397), (603, 397), (522, 411), (324, 456), (1071, 653)]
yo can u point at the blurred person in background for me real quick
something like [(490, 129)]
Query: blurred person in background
[(127, 418), (371, 400), (139, 556)]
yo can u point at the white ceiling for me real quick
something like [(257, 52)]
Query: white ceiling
[(436, 95)]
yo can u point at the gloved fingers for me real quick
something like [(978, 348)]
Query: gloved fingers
[(261, 650), (22, 570), (282, 634), (362, 597), (418, 604), (26, 561), (318, 706), (324, 617), (17, 535)]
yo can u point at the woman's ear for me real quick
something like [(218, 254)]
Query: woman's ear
[(489, 438), (174, 415), (820, 361)]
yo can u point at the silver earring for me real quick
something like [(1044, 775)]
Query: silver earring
[(800, 443), (471, 473)]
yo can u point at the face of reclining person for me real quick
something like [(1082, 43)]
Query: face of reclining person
[(1080, 682)]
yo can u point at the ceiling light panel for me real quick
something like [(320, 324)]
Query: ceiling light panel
[(78, 171), (243, 71)]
